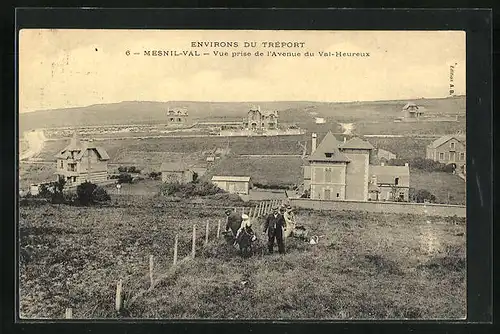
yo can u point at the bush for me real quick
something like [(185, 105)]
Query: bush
[(53, 191), (190, 189), (131, 169), (273, 186), (421, 196), (125, 178), (155, 175), (88, 193)]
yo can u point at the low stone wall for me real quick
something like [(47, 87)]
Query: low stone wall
[(441, 210)]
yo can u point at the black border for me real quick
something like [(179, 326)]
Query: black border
[(477, 24)]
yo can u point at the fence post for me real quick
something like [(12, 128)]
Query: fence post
[(69, 313), (242, 210), (206, 233), (218, 229), (151, 268), (250, 213), (118, 298), (175, 248), (193, 249)]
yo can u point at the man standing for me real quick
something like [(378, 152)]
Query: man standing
[(274, 227), (233, 221)]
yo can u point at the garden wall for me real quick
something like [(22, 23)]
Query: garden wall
[(392, 207)]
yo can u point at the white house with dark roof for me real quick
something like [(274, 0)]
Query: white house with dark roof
[(412, 110), (82, 161), (342, 170), (448, 149), (233, 184)]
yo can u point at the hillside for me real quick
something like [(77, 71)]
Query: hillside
[(303, 112)]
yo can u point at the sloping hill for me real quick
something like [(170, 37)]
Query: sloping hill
[(134, 112)]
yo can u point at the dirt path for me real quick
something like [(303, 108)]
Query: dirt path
[(36, 141)]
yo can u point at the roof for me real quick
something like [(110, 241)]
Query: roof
[(386, 174), (409, 105), (329, 144), (231, 178), (357, 143), (442, 140), (176, 166), (80, 147)]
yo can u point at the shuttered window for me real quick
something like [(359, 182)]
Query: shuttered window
[(318, 174)]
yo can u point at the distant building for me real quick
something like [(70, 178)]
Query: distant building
[(448, 149), (176, 172), (259, 120), (344, 171), (384, 155), (177, 116), (411, 110), (82, 161), (233, 184), (389, 183), (320, 120)]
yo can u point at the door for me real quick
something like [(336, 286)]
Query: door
[(328, 194), (452, 156)]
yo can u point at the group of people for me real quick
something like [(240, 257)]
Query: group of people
[(278, 226)]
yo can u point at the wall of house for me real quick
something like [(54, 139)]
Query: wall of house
[(441, 210), (336, 184), (386, 193), (357, 174), (234, 187), (445, 149)]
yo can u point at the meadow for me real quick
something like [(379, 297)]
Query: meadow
[(366, 265)]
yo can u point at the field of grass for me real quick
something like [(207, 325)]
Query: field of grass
[(448, 188), (35, 173), (366, 265)]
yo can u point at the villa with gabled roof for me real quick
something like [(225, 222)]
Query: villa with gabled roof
[(82, 161), (342, 170)]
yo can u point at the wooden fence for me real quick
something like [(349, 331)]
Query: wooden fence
[(259, 210)]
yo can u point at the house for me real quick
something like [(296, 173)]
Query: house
[(341, 170), (233, 184), (177, 116), (384, 155), (176, 172), (448, 149), (259, 120), (82, 161), (389, 183), (411, 110)]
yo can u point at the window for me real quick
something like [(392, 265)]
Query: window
[(441, 156), (328, 175), (338, 195), (178, 119), (328, 155), (462, 156), (452, 145), (318, 177), (171, 119), (396, 181), (61, 164)]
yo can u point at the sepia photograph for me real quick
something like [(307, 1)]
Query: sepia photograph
[(242, 174)]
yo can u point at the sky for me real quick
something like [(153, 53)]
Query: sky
[(74, 68)]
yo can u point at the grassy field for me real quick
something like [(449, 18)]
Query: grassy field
[(447, 188), (368, 266)]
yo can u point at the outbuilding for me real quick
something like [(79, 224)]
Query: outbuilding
[(233, 184)]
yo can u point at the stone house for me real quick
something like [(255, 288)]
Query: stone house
[(411, 110), (448, 149), (259, 120), (176, 172), (389, 183)]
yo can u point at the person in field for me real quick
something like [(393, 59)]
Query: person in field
[(245, 228), (233, 221), (289, 221), (273, 226)]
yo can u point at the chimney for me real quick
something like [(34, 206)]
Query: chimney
[(314, 139)]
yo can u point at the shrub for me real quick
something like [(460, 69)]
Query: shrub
[(421, 196), (122, 169), (155, 175), (424, 164), (101, 195), (89, 193), (191, 189), (125, 178)]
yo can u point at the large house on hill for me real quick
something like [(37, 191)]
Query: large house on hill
[(411, 110), (259, 120), (82, 161), (448, 149), (344, 170)]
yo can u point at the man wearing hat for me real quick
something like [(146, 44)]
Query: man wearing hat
[(274, 227), (233, 221)]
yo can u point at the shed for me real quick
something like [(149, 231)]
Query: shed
[(233, 184), (176, 172)]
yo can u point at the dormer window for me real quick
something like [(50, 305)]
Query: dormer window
[(452, 145), (328, 155)]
